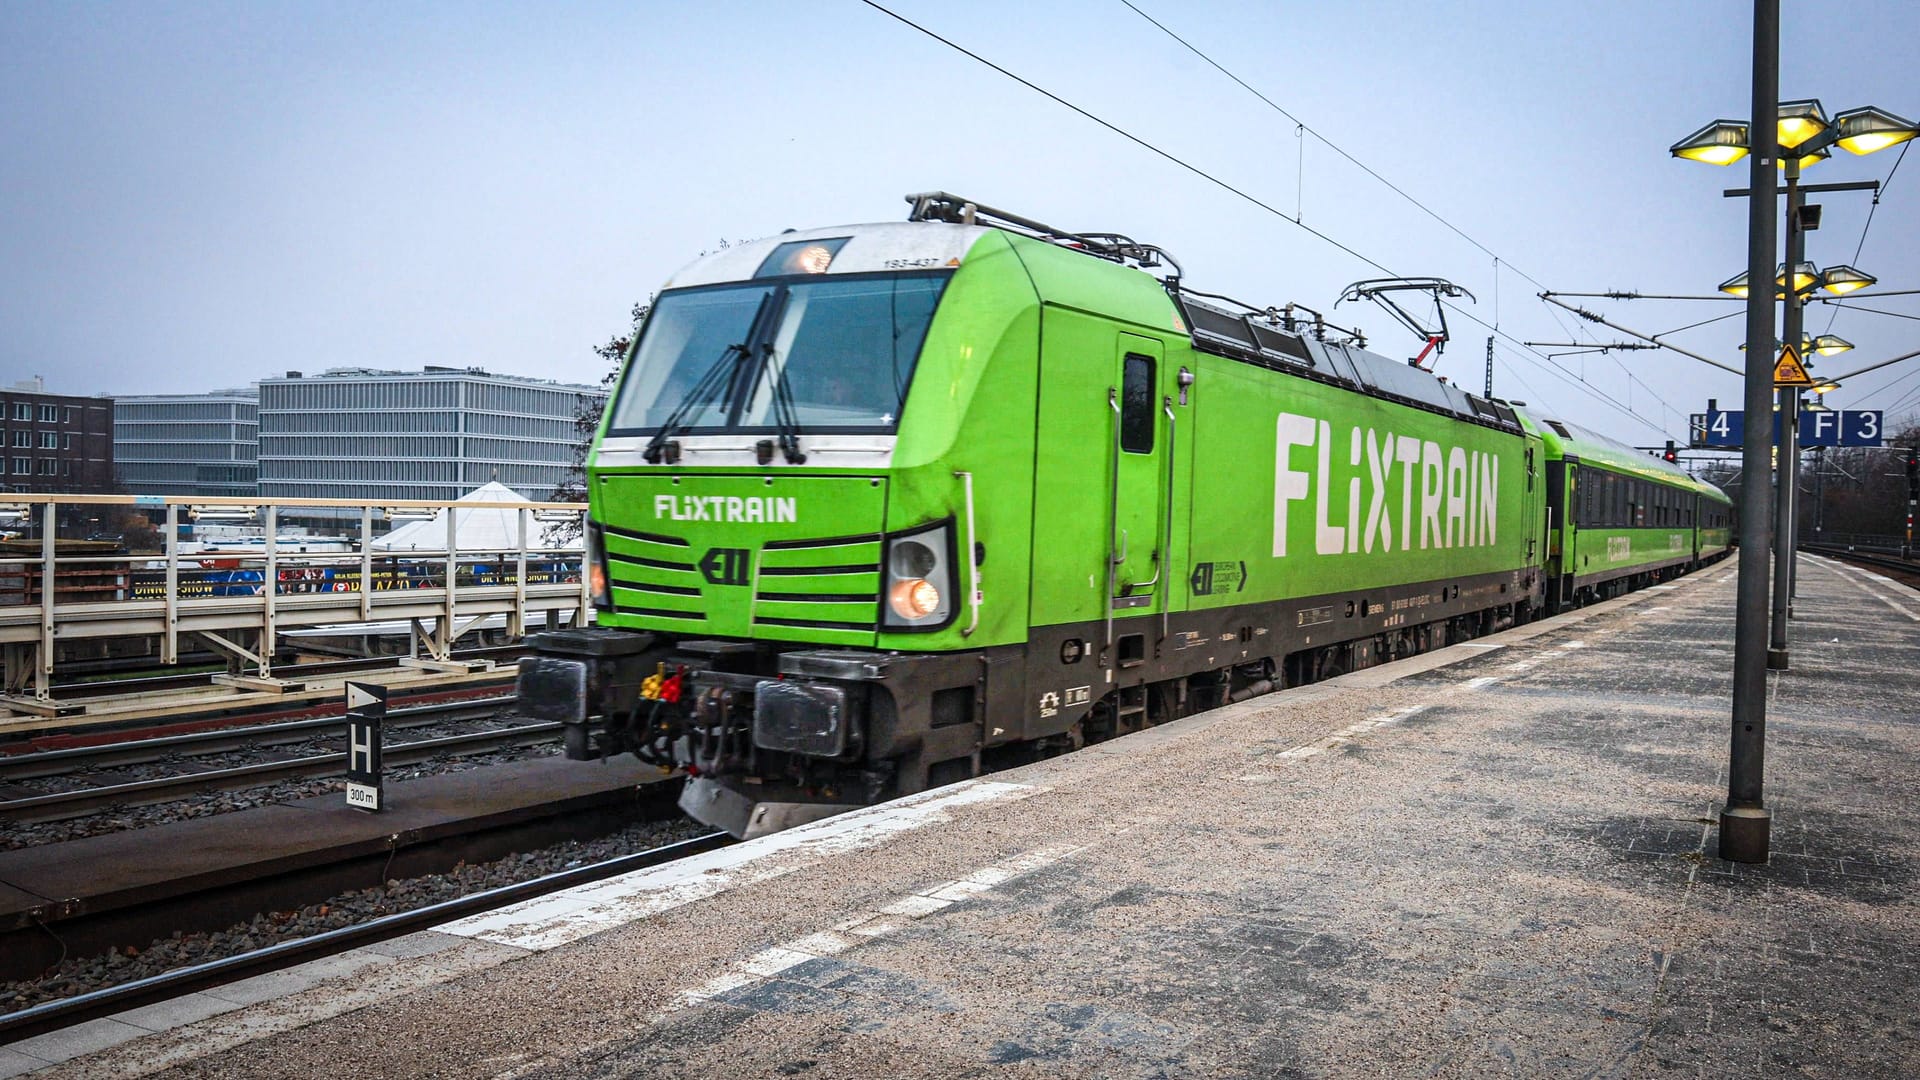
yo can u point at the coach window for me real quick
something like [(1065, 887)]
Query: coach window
[(1136, 405)]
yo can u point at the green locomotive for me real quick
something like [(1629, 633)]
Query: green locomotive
[(877, 508)]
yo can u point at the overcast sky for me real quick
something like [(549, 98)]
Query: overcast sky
[(194, 196)]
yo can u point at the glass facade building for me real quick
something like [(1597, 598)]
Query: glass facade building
[(356, 433), (188, 444)]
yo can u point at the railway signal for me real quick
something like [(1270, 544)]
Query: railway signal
[(366, 709)]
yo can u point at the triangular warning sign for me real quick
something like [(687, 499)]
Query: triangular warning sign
[(361, 695), (1789, 371)]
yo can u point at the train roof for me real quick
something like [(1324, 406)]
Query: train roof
[(943, 229), (1276, 338), (1270, 337), (1591, 447), (869, 248)]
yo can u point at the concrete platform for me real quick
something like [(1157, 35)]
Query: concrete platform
[(1496, 860)]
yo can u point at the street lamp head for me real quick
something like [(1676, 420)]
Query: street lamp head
[(1866, 129), (1735, 285), (1801, 122), (1722, 142), (1840, 280), (1830, 345), (1805, 274), (1804, 159)]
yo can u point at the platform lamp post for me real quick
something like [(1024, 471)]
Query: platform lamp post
[(1745, 822)]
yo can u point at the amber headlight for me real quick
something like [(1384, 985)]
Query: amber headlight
[(919, 579), (596, 555), (914, 598)]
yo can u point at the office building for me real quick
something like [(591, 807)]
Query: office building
[(357, 433), (188, 444)]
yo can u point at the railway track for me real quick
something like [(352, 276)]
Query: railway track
[(44, 763), (66, 1012), (1906, 571), (59, 806)]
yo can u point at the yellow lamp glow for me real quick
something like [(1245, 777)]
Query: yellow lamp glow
[(1735, 286), (1804, 276), (1864, 130), (1830, 345), (1722, 142), (1800, 121), (1840, 280), (1807, 159)]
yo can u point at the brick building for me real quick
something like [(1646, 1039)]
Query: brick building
[(55, 442)]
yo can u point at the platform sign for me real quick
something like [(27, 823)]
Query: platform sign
[(1852, 427), (366, 709)]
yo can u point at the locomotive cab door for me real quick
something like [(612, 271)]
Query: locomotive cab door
[(1140, 453)]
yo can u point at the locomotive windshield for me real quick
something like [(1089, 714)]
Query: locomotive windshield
[(713, 360)]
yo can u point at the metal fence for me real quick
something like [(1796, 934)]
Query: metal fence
[(238, 600)]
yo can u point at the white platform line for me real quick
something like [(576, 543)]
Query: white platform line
[(887, 918), (1347, 734), (550, 921), (1854, 576)]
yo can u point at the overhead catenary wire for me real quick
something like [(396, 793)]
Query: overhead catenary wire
[(1867, 226), (1302, 126), (1236, 191)]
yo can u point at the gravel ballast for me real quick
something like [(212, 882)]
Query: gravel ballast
[(79, 975)]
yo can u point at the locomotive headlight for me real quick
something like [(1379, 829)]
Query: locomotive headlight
[(919, 579), (596, 555), (914, 598), (813, 260)]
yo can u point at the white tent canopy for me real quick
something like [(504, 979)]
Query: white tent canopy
[(476, 528)]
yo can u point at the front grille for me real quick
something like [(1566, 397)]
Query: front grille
[(651, 575), (830, 585)]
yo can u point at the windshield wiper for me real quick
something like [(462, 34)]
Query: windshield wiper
[(703, 394), (719, 379), (786, 418)]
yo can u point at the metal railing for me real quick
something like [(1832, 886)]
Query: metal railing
[(238, 600)]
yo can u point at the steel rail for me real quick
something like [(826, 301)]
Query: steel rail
[(69, 804), (32, 765), (54, 1015), (1884, 562)]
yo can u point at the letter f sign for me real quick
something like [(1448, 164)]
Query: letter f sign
[(1289, 484)]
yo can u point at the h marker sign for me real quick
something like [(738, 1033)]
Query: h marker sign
[(366, 709)]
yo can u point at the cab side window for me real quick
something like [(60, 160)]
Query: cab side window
[(1136, 405)]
